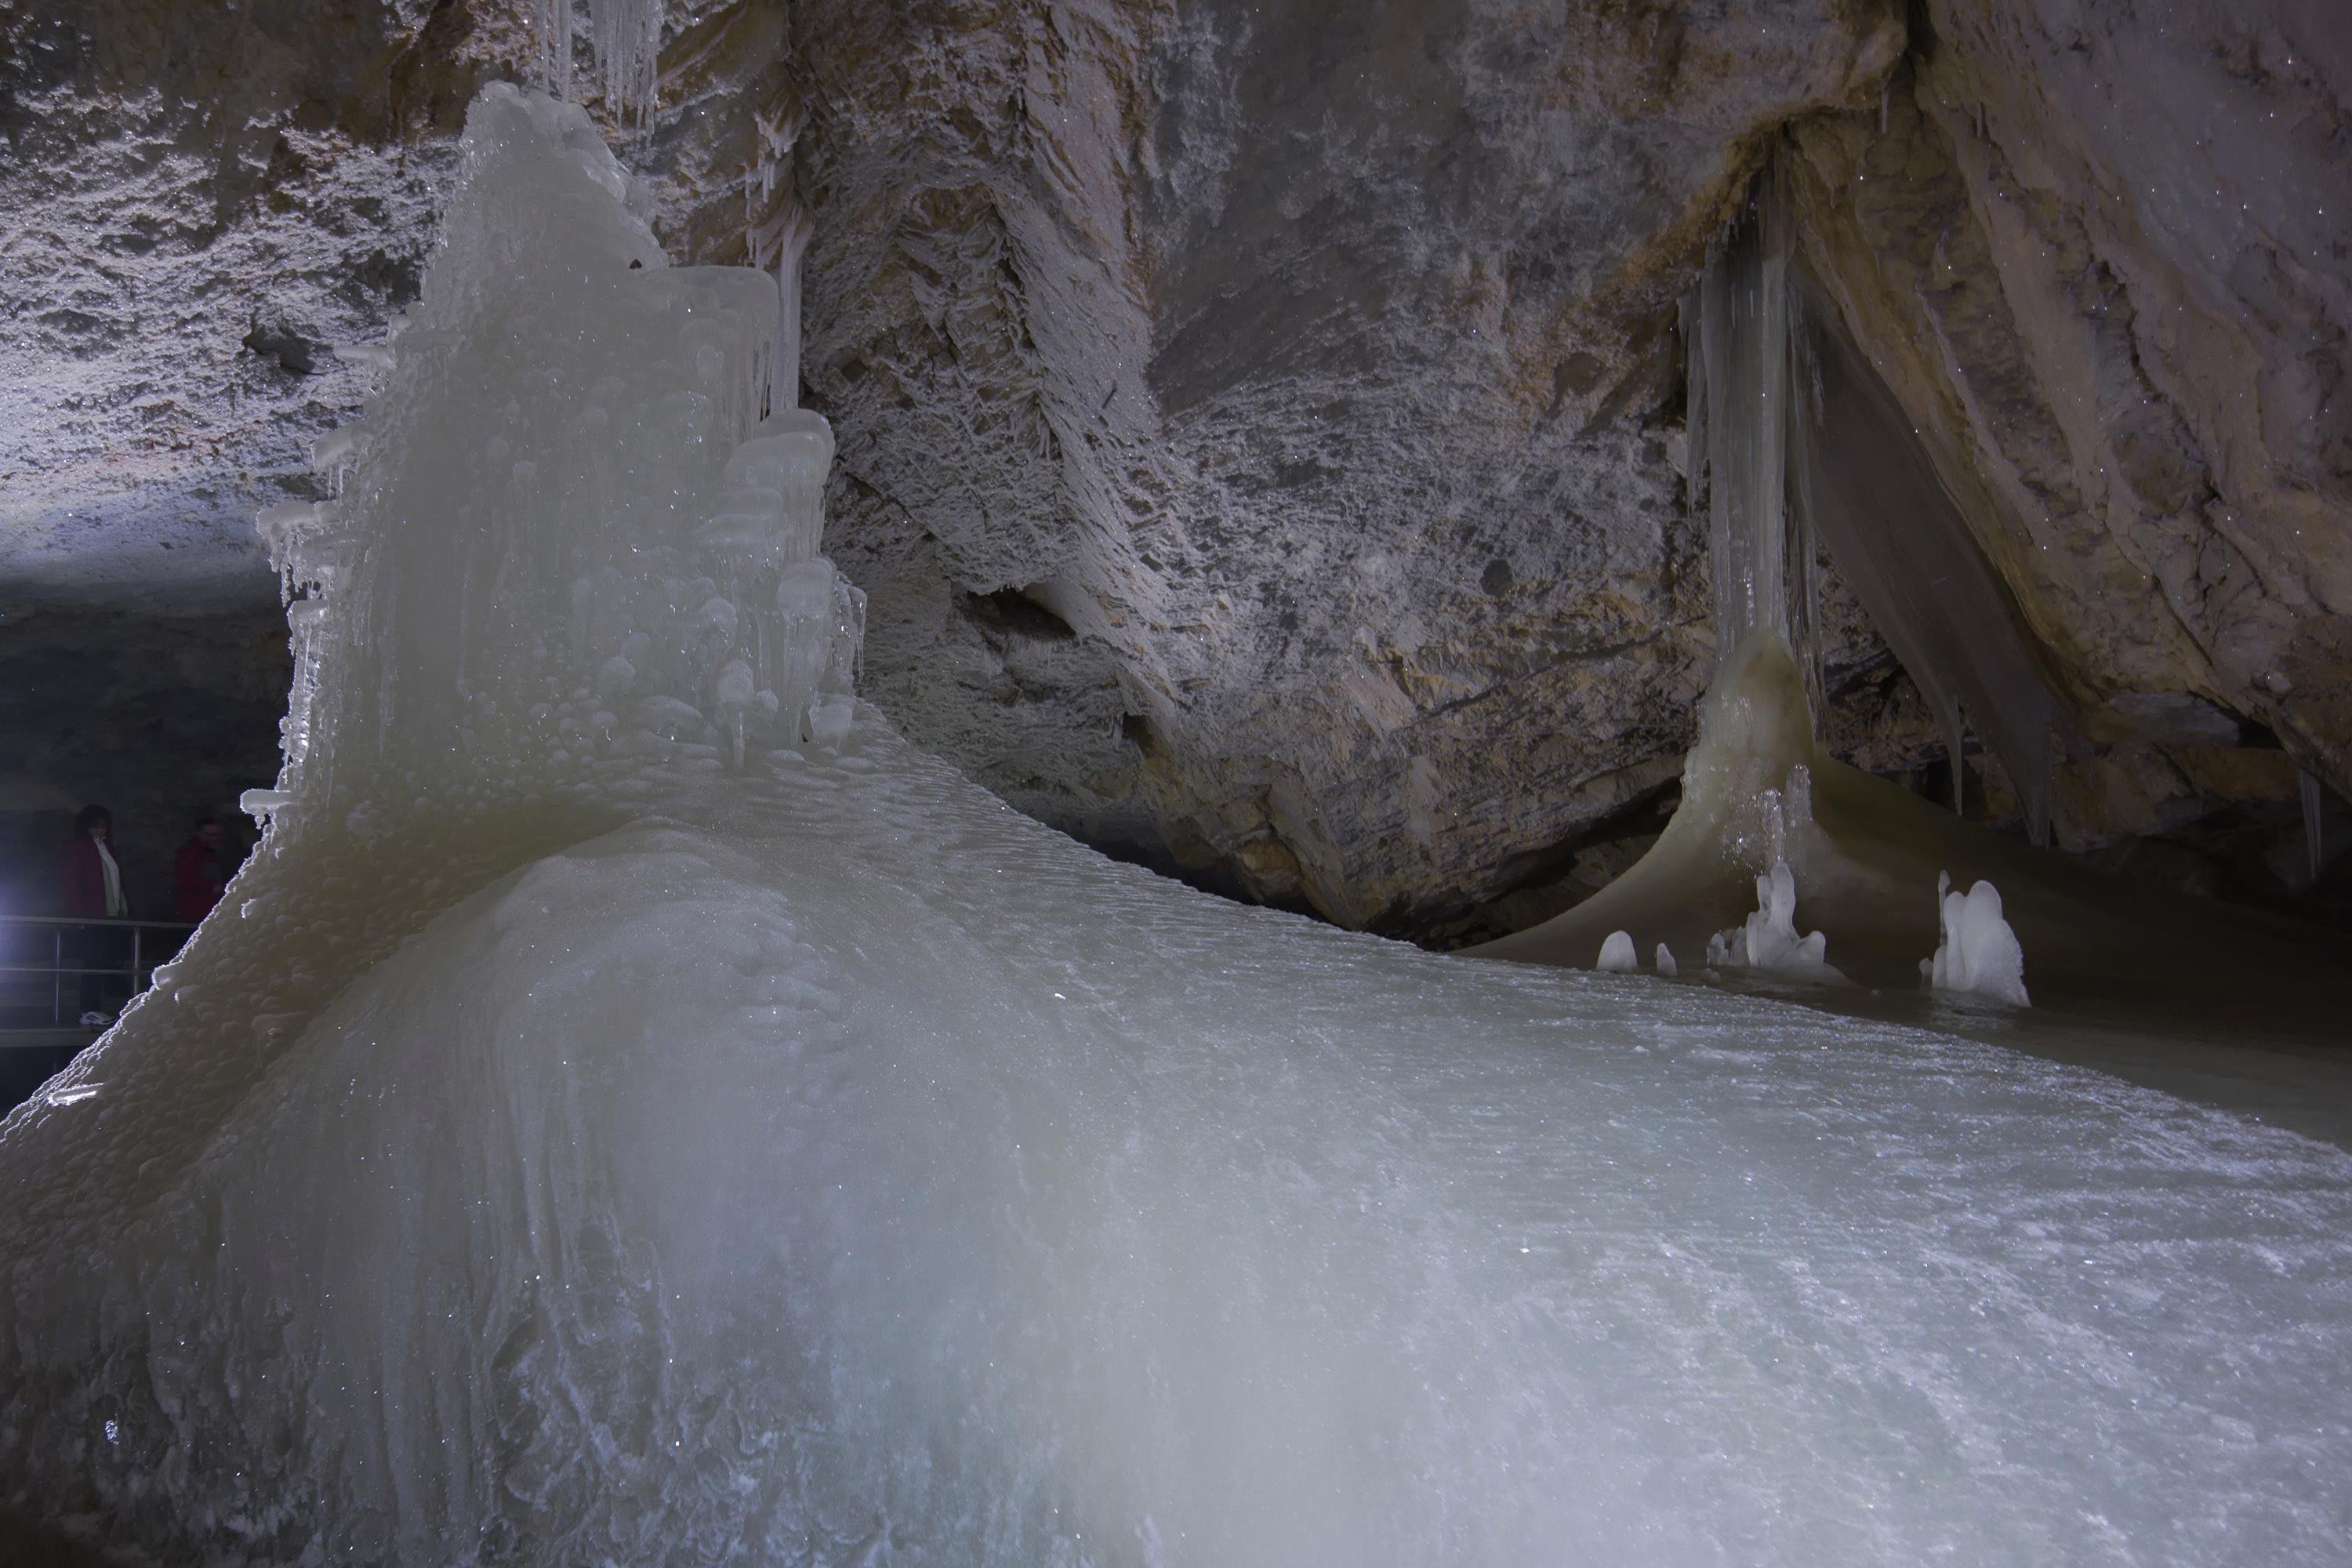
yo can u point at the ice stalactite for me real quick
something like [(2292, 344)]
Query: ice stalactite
[(792, 243), (770, 167), (1796, 443), (629, 35), (2313, 795), (1760, 548), (625, 36), (555, 47)]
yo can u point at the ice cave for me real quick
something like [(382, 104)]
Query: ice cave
[(1157, 784)]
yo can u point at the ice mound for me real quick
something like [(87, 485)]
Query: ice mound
[(1979, 953), (570, 1146), (1618, 955)]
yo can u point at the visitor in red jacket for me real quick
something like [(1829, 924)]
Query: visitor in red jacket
[(201, 870), (93, 891)]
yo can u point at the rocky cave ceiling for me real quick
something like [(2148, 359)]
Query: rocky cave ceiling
[(1261, 426)]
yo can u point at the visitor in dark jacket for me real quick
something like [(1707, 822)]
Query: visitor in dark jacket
[(93, 891), (201, 870)]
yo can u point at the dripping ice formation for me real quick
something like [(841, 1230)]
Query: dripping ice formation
[(566, 1146), (626, 38)]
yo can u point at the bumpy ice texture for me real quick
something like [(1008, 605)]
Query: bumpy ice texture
[(634, 1157), (1977, 951)]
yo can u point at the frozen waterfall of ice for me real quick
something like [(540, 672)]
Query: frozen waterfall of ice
[(566, 1145), (1977, 950)]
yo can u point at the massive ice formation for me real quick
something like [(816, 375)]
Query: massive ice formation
[(566, 1146)]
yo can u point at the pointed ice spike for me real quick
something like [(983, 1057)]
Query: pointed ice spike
[(2314, 822), (785, 384)]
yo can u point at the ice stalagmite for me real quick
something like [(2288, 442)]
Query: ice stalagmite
[(566, 1145), (1977, 953)]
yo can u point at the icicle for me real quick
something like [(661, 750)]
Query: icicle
[(777, 138), (2314, 822), (1762, 567), (627, 35), (785, 384), (555, 29), (1689, 314)]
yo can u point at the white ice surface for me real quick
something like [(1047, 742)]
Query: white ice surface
[(566, 1145), (839, 1167)]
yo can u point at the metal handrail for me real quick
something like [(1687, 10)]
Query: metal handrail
[(140, 974)]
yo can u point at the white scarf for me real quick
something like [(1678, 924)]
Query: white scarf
[(116, 905)]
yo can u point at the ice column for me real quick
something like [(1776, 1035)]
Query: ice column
[(1793, 439), (1740, 380)]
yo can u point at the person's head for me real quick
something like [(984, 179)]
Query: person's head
[(208, 830), (95, 822)]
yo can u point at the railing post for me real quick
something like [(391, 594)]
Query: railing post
[(136, 931), (56, 974)]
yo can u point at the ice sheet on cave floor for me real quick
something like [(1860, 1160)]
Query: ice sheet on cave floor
[(834, 1166)]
